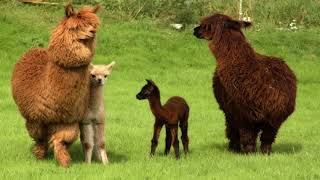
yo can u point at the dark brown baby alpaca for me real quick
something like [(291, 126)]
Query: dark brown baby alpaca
[(175, 111), (256, 93)]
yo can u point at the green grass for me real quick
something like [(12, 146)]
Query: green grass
[(181, 65)]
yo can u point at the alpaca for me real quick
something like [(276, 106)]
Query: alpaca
[(256, 93), (174, 111), (51, 85), (92, 128)]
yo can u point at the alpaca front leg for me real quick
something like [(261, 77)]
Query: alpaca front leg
[(87, 141), (99, 139), (156, 134), (168, 141), (232, 134)]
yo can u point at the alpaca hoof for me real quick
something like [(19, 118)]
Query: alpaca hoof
[(177, 157), (39, 151), (63, 158), (249, 149), (235, 148), (266, 149), (64, 162)]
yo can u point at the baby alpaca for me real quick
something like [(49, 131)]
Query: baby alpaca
[(92, 128), (176, 110)]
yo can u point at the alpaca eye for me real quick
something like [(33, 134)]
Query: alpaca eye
[(105, 76), (93, 76)]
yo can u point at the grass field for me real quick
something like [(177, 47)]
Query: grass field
[(181, 65)]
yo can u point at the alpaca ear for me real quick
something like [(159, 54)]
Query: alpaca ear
[(110, 66), (69, 11), (150, 82), (96, 9), (245, 24), (231, 24)]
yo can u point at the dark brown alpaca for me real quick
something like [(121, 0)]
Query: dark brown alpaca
[(255, 92), (174, 112)]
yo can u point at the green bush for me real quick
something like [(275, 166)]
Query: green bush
[(190, 11)]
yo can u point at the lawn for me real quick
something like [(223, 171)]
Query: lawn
[(181, 65)]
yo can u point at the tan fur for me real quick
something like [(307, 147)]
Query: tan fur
[(92, 127), (51, 86)]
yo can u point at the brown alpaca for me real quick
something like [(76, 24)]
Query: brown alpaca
[(51, 86), (175, 111), (255, 92)]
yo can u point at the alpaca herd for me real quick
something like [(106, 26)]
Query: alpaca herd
[(60, 93)]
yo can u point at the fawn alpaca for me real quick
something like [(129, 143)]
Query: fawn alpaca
[(174, 111), (92, 127)]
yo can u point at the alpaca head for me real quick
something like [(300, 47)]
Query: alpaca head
[(212, 27), (148, 90), (99, 73), (72, 43)]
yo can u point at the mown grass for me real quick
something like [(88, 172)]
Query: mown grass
[(181, 65)]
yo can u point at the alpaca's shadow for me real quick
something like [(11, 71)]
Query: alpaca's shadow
[(280, 148), (78, 156)]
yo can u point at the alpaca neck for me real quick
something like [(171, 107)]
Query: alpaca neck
[(233, 48), (156, 107), (96, 97)]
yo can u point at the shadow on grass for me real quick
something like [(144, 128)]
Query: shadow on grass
[(78, 156), (280, 148)]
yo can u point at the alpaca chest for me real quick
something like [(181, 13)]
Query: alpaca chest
[(65, 94)]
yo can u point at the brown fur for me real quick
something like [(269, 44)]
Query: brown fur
[(51, 86), (256, 92), (175, 111)]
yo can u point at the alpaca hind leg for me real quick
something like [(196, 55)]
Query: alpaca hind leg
[(99, 139), (184, 136), (39, 133), (248, 138), (268, 136), (168, 141), (62, 136), (156, 134), (175, 141), (87, 141)]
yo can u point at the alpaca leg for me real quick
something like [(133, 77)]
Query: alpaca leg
[(175, 141), (38, 133), (268, 136), (62, 136), (100, 143), (248, 138), (156, 134), (87, 141), (232, 134), (168, 141), (184, 136)]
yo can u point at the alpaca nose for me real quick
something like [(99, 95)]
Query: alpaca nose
[(196, 31), (99, 80)]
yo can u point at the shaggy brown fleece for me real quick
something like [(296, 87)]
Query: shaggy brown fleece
[(256, 92), (51, 86)]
